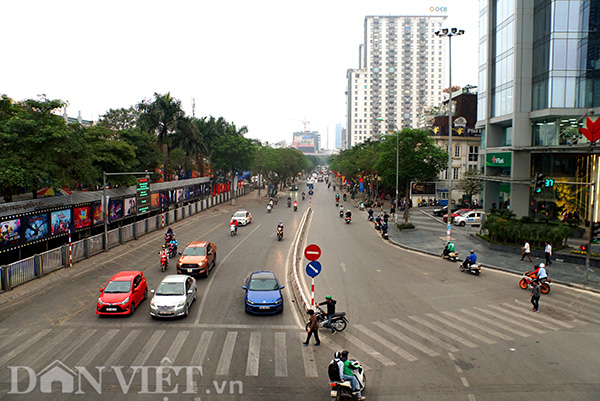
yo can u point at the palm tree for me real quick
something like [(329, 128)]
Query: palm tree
[(162, 117)]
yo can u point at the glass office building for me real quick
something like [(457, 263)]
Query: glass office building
[(539, 70)]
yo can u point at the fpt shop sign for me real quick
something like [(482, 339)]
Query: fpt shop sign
[(498, 159), (434, 9)]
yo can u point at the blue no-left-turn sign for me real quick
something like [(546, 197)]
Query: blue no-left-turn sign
[(313, 268)]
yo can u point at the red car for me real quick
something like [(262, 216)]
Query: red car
[(122, 294), (457, 213)]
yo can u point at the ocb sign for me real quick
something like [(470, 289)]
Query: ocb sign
[(438, 9)]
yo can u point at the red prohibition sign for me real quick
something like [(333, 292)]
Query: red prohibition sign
[(312, 252)]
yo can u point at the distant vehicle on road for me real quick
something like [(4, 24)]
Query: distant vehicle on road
[(294, 187), (243, 217), (122, 294), (174, 296), (473, 217), (444, 210), (263, 293), (457, 213), (198, 257)]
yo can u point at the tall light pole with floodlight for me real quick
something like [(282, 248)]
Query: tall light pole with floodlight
[(449, 33)]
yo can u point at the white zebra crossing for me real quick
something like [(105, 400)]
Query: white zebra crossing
[(461, 329), (494, 323), (23, 346), (541, 316), (431, 338), (406, 339), (510, 320), (478, 326), (226, 354), (444, 332), (253, 354), (392, 347), (522, 316)]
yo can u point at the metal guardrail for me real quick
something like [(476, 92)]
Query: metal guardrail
[(21, 272), (52, 260), (25, 270)]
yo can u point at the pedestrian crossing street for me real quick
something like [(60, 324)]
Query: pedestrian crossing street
[(274, 351)]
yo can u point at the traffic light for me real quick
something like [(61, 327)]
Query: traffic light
[(595, 235), (540, 182)]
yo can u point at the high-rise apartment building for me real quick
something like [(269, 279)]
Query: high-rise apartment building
[(539, 81), (338, 136), (401, 71)]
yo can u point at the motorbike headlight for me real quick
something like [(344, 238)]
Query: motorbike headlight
[(124, 301)]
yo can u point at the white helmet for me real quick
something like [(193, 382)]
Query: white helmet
[(542, 265)]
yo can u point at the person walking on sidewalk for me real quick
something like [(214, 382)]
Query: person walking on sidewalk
[(535, 296), (312, 327), (548, 253), (526, 251)]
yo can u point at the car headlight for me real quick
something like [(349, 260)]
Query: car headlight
[(278, 301), (100, 302), (201, 264), (250, 302), (179, 305), (152, 303), (124, 301)]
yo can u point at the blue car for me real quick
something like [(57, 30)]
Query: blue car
[(263, 293)]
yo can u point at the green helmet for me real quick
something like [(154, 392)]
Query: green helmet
[(328, 297)]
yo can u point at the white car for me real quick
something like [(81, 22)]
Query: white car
[(473, 217), (243, 217), (174, 296)]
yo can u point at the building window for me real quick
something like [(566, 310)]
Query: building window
[(457, 151), (473, 153), (455, 173)]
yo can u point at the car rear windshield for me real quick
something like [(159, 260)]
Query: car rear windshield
[(194, 251), (170, 289), (115, 287), (268, 284)]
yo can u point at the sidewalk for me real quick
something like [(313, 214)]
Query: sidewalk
[(429, 237)]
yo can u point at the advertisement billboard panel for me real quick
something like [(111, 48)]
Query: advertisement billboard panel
[(36, 227), (154, 201), (115, 209), (61, 222), (10, 232), (82, 217), (129, 206), (98, 214)]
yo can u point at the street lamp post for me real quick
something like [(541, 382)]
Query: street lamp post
[(397, 158), (442, 34)]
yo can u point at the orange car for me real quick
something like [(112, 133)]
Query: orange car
[(198, 258)]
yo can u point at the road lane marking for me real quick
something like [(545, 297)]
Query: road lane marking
[(212, 277), (190, 326), (144, 354), (308, 356), (97, 348), (510, 320), (23, 346), (75, 345), (17, 335), (44, 349), (478, 326), (226, 354), (461, 329), (175, 348), (521, 316), (406, 339), (385, 361), (433, 339), (541, 317), (280, 355), (120, 350), (495, 323), (404, 354), (201, 349), (253, 354), (569, 309), (2, 331), (444, 332)]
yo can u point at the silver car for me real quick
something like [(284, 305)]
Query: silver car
[(174, 296)]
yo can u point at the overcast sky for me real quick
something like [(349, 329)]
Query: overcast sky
[(266, 64)]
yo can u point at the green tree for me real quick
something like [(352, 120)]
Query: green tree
[(419, 159), (162, 117), (471, 183), (120, 119)]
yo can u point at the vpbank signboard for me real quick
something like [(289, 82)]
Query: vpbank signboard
[(501, 159)]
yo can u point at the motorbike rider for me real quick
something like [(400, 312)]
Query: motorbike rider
[(234, 223), (289, 201), (345, 197), (295, 204), (173, 244), (348, 214), (303, 195), (337, 198), (330, 302), (280, 226), (169, 235), (341, 210), (449, 248), (540, 273), (346, 373), (470, 260), (370, 214), (386, 217), (164, 255)]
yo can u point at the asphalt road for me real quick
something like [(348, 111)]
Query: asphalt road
[(424, 330)]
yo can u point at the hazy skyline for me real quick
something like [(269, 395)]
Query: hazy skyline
[(263, 64)]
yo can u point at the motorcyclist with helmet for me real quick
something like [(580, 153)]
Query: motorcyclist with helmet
[(346, 373), (234, 223), (289, 201), (341, 210), (540, 273), (279, 227), (169, 235), (303, 195), (470, 260), (370, 214)]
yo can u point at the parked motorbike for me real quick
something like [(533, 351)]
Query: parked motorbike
[(343, 390), (453, 256), (339, 320), (529, 277), (474, 268), (279, 233), (233, 230)]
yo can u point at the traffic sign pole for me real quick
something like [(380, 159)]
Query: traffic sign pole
[(312, 293)]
